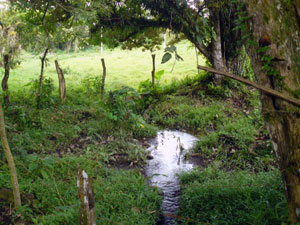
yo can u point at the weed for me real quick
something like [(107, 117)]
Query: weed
[(46, 94)]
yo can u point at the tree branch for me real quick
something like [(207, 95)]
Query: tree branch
[(266, 90)]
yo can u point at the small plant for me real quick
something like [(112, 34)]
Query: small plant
[(168, 55), (92, 85), (121, 103), (46, 98)]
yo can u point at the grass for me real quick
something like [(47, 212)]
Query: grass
[(121, 197), (101, 137), (124, 68), (213, 196), (49, 143)]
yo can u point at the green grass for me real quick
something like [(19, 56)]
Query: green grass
[(121, 197), (213, 196), (127, 68), (100, 137), (48, 145)]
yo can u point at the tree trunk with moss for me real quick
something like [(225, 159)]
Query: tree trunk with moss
[(216, 56), (10, 160), (276, 36)]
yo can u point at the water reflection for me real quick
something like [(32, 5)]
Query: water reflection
[(168, 150)]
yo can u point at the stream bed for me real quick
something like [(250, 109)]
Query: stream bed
[(168, 150)]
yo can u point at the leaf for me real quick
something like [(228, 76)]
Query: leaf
[(159, 74), (170, 49), (199, 39), (166, 58), (44, 174), (33, 166)]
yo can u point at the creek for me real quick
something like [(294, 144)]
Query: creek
[(168, 150)]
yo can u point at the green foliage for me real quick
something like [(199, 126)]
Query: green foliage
[(92, 85), (46, 98), (168, 55), (150, 39), (236, 144), (296, 93), (213, 196), (185, 113), (120, 103)]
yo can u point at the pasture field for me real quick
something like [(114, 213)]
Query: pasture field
[(124, 68)]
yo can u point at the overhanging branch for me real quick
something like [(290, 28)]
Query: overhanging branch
[(266, 90)]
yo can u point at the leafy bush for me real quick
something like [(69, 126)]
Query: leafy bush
[(216, 197), (92, 85), (120, 104), (46, 98)]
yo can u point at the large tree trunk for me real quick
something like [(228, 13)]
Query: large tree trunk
[(217, 59), (277, 25), (61, 82), (41, 78), (10, 160), (5, 78)]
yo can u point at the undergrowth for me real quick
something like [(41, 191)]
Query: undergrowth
[(120, 196)]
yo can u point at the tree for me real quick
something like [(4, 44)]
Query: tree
[(10, 160), (275, 58), (45, 24), (208, 24), (9, 49)]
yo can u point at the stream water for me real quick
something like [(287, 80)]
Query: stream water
[(168, 150)]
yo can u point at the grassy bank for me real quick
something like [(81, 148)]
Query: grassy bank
[(213, 196), (49, 144), (237, 180)]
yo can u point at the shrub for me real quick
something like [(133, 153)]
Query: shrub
[(46, 98)]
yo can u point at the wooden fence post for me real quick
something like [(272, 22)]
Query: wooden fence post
[(85, 191), (61, 82)]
